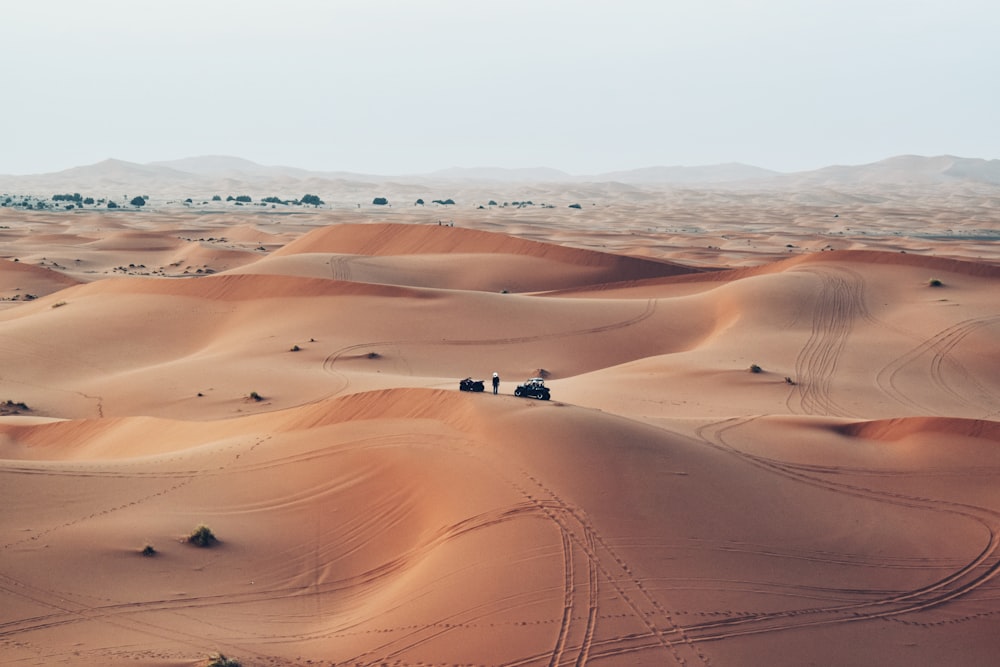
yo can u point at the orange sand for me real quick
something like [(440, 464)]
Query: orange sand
[(666, 507)]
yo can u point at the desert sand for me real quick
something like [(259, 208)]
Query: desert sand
[(289, 378)]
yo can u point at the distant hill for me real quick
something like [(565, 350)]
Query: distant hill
[(901, 170), (500, 175), (733, 172), (202, 176), (108, 176)]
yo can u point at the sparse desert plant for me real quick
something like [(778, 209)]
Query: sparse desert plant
[(754, 368), (374, 355), (202, 536), (295, 348), (10, 407), (148, 550), (254, 396), (220, 660), (59, 304), (935, 282)]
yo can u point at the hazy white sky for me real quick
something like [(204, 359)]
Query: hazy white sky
[(404, 86)]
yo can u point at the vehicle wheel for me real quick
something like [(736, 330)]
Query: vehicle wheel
[(545, 397), (517, 392)]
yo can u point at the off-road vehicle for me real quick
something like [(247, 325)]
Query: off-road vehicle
[(468, 384), (533, 388)]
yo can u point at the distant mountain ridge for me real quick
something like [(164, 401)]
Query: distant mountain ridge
[(206, 173)]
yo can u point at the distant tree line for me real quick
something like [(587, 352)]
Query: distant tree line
[(76, 200)]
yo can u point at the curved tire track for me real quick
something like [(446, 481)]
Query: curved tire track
[(967, 578), (940, 347), (840, 302)]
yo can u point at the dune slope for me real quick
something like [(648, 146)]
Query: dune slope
[(787, 463)]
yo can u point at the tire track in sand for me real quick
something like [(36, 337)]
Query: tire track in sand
[(358, 350), (940, 347), (840, 302), (970, 576), (646, 609)]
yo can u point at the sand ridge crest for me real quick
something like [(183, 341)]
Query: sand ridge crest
[(901, 428)]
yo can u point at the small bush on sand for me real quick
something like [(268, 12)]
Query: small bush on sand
[(254, 396), (934, 282), (374, 355), (219, 660), (754, 368), (10, 407), (202, 536), (295, 348), (148, 550)]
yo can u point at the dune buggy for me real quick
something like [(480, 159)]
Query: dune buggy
[(533, 388), (468, 384)]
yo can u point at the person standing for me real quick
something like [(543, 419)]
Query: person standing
[(496, 383)]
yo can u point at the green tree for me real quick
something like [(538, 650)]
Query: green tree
[(138, 201)]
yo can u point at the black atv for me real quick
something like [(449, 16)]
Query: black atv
[(468, 384), (533, 388)]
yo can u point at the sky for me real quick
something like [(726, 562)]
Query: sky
[(585, 86)]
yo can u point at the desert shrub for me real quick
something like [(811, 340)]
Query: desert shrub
[(148, 550), (111, 204), (374, 355), (138, 201), (754, 368), (220, 660), (10, 407), (380, 201), (934, 282), (59, 304), (295, 348), (575, 206), (202, 536), (254, 396)]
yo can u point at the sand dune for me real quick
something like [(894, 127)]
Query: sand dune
[(290, 381)]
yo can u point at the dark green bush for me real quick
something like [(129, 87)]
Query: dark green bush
[(202, 536)]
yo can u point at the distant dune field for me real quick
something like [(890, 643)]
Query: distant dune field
[(773, 437)]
